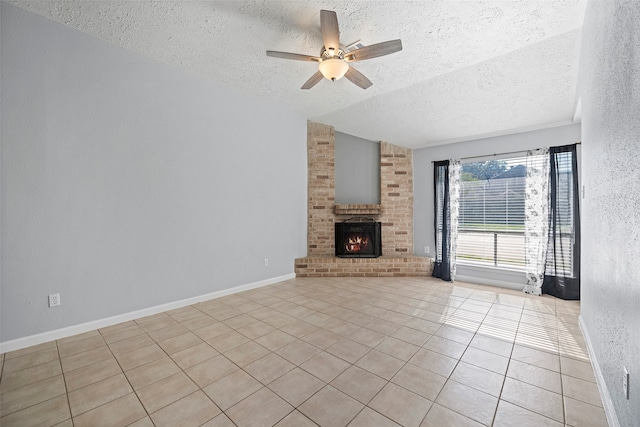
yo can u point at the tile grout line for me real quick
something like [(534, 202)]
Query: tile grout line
[(64, 379), (506, 372)]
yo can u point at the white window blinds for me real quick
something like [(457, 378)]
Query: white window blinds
[(492, 212)]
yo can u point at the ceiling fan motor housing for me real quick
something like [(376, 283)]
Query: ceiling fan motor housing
[(332, 53)]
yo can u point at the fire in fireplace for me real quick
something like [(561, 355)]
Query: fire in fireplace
[(358, 238)]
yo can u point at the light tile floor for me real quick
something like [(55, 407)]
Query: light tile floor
[(331, 352)]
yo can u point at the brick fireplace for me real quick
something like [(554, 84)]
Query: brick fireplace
[(395, 212)]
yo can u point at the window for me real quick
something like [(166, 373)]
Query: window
[(492, 213), (520, 213)]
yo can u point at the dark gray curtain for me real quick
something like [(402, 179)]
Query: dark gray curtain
[(562, 270), (442, 221)]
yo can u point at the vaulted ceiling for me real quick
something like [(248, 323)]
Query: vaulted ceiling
[(468, 68)]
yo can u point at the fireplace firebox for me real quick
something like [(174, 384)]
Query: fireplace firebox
[(358, 238)]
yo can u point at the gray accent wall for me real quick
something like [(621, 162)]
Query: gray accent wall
[(128, 183), (423, 188), (610, 93), (357, 170)]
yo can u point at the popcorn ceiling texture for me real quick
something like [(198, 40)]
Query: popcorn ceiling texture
[(395, 213), (467, 68), (610, 90)]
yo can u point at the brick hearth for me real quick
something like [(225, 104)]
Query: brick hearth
[(384, 266), (395, 212)]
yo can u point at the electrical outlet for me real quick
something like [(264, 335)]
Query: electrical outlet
[(266, 262), (625, 383), (426, 250), (54, 300)]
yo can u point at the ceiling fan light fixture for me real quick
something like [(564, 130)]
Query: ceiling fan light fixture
[(333, 68)]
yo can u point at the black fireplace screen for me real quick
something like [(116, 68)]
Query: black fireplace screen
[(358, 239)]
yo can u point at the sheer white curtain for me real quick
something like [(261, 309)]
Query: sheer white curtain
[(536, 221)]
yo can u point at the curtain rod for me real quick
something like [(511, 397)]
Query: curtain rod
[(495, 154)]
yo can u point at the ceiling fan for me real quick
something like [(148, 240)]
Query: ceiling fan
[(334, 60)]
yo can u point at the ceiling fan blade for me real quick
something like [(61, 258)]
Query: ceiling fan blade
[(375, 50), (296, 56), (313, 80), (330, 31), (357, 78)]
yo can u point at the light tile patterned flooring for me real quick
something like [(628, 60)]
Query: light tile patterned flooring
[(332, 352)]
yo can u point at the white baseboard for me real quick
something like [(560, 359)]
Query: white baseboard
[(607, 403), (57, 334)]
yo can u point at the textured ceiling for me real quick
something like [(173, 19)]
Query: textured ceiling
[(468, 69)]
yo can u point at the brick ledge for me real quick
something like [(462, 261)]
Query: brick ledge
[(357, 209), (384, 266)]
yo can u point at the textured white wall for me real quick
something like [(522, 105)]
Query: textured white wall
[(423, 186), (128, 183), (610, 91)]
